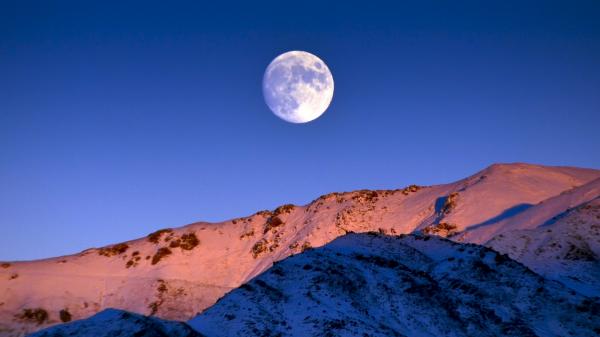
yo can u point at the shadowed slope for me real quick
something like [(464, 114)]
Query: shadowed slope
[(111, 322), (369, 284)]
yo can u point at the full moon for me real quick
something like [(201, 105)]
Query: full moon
[(298, 86)]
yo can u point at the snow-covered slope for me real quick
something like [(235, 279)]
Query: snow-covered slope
[(504, 190), (536, 215), (177, 273), (566, 248), (375, 285), (112, 322)]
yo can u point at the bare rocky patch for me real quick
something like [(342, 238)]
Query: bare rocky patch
[(247, 234), (411, 189), (187, 241), (305, 246), (272, 222), (65, 316), (284, 209), (443, 229), (259, 248), (35, 315), (365, 196), (134, 261), (155, 237), (114, 250), (161, 289), (450, 203), (160, 254)]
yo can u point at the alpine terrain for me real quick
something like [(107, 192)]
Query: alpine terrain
[(510, 250)]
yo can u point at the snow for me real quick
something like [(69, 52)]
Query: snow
[(567, 249), (539, 214), (370, 284), (112, 322), (186, 282)]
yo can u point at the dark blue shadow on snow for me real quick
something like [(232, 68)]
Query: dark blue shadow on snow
[(509, 212), (439, 203)]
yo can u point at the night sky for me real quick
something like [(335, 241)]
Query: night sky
[(118, 118)]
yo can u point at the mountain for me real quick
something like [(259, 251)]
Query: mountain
[(376, 285), (177, 273), (537, 215), (564, 248), (112, 322)]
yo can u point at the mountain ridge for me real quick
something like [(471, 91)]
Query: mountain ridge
[(176, 273)]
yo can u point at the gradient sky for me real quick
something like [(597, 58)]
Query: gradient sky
[(118, 118)]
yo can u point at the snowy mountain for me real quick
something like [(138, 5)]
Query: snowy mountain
[(536, 215), (376, 285), (112, 322), (177, 273), (565, 248)]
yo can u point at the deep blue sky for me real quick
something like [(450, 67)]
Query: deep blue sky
[(119, 118)]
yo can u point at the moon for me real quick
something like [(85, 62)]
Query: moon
[(298, 86)]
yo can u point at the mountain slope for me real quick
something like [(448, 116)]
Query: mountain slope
[(565, 249), (536, 215), (111, 322), (503, 191), (177, 273), (369, 284)]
